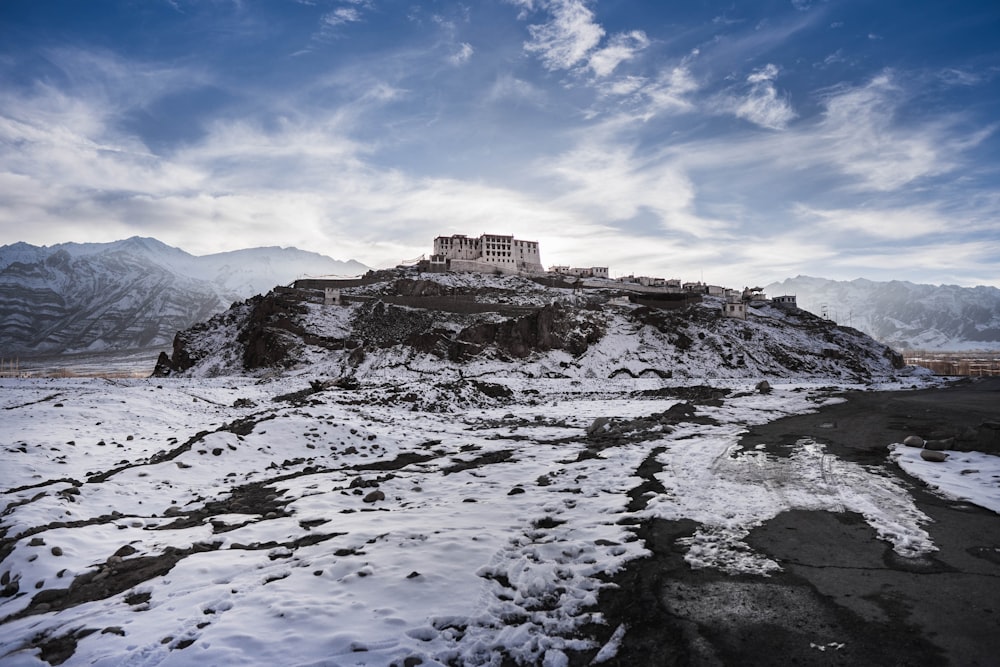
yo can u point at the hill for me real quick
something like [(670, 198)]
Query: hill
[(130, 294), (413, 325)]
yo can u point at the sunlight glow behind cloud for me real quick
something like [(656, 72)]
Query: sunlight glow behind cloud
[(660, 141)]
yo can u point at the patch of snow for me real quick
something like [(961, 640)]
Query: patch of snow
[(969, 476)]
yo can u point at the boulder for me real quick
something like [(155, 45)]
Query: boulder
[(374, 497), (933, 455), (939, 445), (764, 387), (913, 441)]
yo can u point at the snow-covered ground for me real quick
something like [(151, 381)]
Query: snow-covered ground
[(450, 523)]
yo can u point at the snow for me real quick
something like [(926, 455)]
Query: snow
[(492, 535), (969, 476)]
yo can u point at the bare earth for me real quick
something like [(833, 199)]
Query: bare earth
[(844, 597)]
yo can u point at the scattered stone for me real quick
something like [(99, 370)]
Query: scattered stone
[(374, 496), (599, 425), (126, 550), (36, 542), (133, 599), (932, 455), (913, 441), (113, 630), (57, 551), (763, 387), (517, 490)]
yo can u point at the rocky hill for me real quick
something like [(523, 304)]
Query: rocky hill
[(130, 294), (903, 314), (414, 325)]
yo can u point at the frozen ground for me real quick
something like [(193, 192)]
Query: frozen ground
[(236, 521)]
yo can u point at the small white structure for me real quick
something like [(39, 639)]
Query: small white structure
[(331, 296), (487, 253), (735, 307)]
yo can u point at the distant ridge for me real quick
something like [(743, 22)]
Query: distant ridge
[(904, 315), (131, 294)]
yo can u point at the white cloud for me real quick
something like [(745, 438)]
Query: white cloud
[(508, 87), (622, 47), (671, 92), (859, 132), (568, 37), (606, 182), (898, 223), (762, 105), (463, 54), (342, 15)]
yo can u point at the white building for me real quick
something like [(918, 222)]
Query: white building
[(735, 306), (582, 272), (487, 254)]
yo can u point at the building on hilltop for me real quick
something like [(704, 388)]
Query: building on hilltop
[(489, 253), (581, 272), (785, 300)]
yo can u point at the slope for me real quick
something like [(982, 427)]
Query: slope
[(414, 325)]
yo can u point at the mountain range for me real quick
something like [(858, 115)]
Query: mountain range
[(131, 294), (904, 315)]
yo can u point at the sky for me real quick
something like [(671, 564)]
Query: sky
[(735, 143)]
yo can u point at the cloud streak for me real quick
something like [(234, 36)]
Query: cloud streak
[(678, 146)]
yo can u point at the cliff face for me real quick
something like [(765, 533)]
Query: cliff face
[(550, 332)]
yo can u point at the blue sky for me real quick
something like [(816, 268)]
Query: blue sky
[(738, 143)]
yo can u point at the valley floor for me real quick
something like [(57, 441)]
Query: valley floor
[(237, 521)]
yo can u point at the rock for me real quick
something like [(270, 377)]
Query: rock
[(763, 387), (57, 551), (599, 425), (374, 496), (939, 445), (913, 441), (933, 455), (49, 595)]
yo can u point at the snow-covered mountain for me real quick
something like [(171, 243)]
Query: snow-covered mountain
[(131, 294), (903, 314), (412, 325)]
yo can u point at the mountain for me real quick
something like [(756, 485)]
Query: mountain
[(903, 314), (413, 326), (131, 294)]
